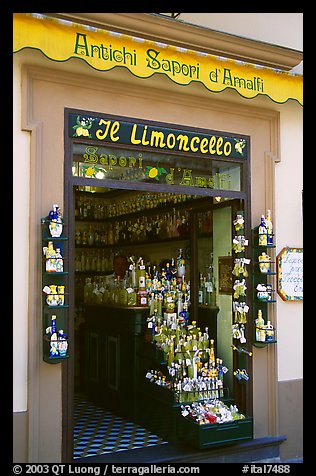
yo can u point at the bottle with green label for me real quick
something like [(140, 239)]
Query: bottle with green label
[(201, 291)]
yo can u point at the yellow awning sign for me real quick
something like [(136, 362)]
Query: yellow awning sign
[(61, 40)]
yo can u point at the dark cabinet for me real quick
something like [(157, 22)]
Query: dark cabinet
[(110, 360)]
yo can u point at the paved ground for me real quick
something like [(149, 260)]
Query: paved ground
[(278, 460)]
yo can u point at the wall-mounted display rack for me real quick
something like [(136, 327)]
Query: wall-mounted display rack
[(263, 278), (55, 302)]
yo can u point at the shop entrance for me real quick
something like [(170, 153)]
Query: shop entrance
[(117, 232), (177, 242)]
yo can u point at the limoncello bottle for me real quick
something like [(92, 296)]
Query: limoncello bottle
[(269, 229), (53, 349), (260, 327), (212, 352)]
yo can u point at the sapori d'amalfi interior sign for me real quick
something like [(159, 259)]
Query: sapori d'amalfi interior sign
[(61, 40)]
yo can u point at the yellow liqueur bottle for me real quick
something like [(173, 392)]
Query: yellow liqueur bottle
[(260, 327), (170, 358), (269, 226), (212, 353)]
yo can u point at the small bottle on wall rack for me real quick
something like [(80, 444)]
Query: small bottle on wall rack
[(260, 327), (55, 221), (262, 232), (53, 348), (269, 226)]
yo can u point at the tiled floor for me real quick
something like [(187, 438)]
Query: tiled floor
[(98, 431)]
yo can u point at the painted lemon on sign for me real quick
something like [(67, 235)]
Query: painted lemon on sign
[(240, 144), (90, 171), (155, 172), (83, 126), (80, 131)]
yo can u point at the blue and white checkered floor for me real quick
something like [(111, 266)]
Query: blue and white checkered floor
[(98, 431)]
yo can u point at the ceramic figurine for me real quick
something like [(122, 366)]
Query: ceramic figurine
[(52, 298), (61, 295), (264, 292), (62, 343), (264, 263), (55, 221), (50, 255), (59, 262), (269, 331)]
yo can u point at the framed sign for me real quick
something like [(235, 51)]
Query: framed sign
[(290, 274), (225, 278)]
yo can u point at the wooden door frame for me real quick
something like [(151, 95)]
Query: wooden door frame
[(70, 182)]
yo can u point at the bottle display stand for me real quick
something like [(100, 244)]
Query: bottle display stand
[(157, 400), (206, 436), (54, 292)]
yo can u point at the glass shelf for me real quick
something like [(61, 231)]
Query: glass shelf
[(263, 344), (55, 238), (65, 306), (55, 273), (258, 273), (266, 300)]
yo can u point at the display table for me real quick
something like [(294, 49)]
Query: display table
[(116, 354)]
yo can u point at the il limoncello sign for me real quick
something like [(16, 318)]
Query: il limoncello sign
[(61, 40), (116, 131)]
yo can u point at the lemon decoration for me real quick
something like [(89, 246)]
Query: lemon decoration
[(89, 172), (79, 131), (83, 126), (155, 172), (240, 144)]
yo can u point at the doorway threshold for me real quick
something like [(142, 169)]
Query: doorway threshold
[(247, 452), (99, 431)]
